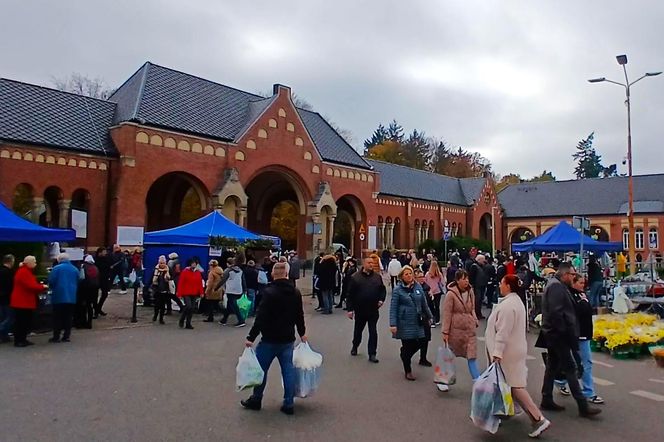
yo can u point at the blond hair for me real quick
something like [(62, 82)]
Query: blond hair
[(403, 270)]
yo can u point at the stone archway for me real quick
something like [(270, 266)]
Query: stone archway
[(521, 234), (175, 199), (485, 227), (276, 205), (350, 217)]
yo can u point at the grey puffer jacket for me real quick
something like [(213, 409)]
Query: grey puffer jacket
[(406, 307)]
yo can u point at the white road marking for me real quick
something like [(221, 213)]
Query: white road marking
[(603, 364), (602, 382), (661, 381), (530, 358), (648, 395)]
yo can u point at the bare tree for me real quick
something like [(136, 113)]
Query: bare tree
[(82, 85)]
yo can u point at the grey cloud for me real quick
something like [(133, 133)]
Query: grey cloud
[(507, 78)]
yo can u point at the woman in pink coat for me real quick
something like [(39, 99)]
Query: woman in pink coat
[(506, 344), (460, 323)]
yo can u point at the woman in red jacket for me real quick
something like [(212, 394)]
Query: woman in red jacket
[(190, 286), (24, 300)]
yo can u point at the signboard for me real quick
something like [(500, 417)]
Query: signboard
[(446, 236), (313, 228), (129, 236), (215, 251), (446, 227), (372, 237), (362, 237), (580, 222), (79, 222), (362, 230), (75, 253)]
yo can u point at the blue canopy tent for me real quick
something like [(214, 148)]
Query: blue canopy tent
[(192, 239), (13, 228), (565, 238)]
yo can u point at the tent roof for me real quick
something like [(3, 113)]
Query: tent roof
[(15, 228), (198, 232), (564, 238)]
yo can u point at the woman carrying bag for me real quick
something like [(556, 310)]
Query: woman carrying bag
[(212, 293), (409, 315), (506, 345), (460, 323)]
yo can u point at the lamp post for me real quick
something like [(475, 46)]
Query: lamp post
[(622, 61), (493, 232)]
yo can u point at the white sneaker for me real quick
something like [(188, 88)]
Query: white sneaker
[(123, 292), (540, 427), (442, 387)]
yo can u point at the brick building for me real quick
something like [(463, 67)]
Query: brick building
[(167, 147)]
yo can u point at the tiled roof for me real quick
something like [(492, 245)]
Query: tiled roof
[(38, 115), (331, 146), (163, 97), (407, 182), (595, 196), (472, 189)]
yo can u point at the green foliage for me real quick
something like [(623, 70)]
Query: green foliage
[(456, 242), (225, 242), (422, 152), (589, 162)]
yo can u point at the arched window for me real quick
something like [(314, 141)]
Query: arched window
[(625, 239), (638, 238), (653, 238), (460, 231), (454, 229), (22, 200)]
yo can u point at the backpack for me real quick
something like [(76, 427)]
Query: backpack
[(92, 274), (234, 282), (262, 277)]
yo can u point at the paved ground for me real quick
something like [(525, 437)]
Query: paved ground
[(151, 382)]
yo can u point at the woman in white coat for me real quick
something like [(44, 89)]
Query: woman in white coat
[(506, 344)]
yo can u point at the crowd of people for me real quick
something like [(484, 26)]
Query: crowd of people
[(424, 296)]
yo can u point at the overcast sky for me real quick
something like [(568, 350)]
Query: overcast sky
[(504, 78)]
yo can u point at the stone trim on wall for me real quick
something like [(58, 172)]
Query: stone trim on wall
[(80, 161)]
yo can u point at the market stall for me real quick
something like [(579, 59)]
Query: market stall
[(565, 238), (13, 228)]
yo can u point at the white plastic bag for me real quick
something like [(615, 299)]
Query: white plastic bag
[(248, 372), (444, 370), (482, 401), (307, 370), (132, 277)]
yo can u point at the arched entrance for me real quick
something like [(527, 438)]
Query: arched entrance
[(175, 199), (598, 233), (276, 206), (350, 216), (52, 202), (521, 234), (485, 227), (22, 200)]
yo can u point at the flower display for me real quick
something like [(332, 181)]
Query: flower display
[(632, 329)]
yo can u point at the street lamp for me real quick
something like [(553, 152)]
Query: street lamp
[(622, 61)]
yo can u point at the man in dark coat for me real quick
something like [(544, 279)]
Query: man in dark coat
[(6, 287), (103, 263), (366, 294), (478, 279), (327, 281), (560, 333), (279, 315)]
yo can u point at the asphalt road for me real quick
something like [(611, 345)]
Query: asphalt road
[(160, 383)]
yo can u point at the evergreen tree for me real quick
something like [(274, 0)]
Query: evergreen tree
[(395, 132), (589, 163), (417, 149), (379, 136)]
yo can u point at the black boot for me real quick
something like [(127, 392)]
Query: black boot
[(586, 410), (548, 404), (251, 404)]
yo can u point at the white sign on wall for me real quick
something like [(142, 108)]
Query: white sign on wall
[(75, 253), (79, 222), (130, 236), (372, 237)]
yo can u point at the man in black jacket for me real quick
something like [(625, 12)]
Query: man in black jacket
[(279, 314), (478, 279), (103, 263), (366, 294), (560, 330)]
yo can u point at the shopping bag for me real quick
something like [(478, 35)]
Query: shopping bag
[(444, 371), (308, 366), (503, 401), (248, 372), (132, 277), (483, 400), (244, 305)]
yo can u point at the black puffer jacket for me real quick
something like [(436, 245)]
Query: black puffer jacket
[(584, 314)]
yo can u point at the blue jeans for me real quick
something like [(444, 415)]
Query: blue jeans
[(266, 352), (6, 320), (251, 294), (595, 292), (472, 368), (328, 300), (587, 387)]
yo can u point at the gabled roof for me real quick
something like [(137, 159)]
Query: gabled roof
[(167, 98), (402, 181), (594, 196), (331, 146), (38, 115)]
